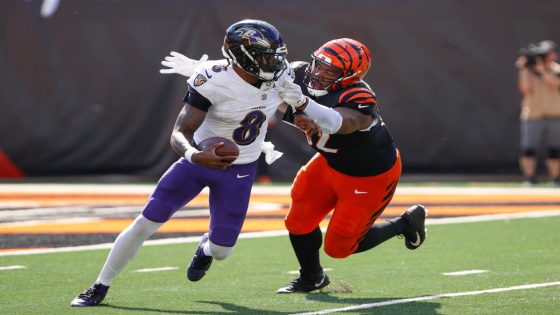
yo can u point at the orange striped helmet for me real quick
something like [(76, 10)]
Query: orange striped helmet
[(337, 64)]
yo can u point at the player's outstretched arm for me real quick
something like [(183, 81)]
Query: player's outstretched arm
[(181, 64), (331, 120)]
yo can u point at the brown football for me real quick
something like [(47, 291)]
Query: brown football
[(228, 149)]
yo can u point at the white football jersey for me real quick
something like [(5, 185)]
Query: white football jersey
[(239, 110)]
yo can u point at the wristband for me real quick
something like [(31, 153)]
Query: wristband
[(190, 152)]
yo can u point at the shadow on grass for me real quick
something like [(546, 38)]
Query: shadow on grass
[(157, 310), (416, 307), (427, 308)]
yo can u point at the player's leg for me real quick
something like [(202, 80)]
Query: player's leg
[(361, 200), (410, 224), (312, 200), (553, 151), (230, 191), (529, 141), (176, 187)]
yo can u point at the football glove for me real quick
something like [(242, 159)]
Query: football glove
[(291, 94), (181, 64)]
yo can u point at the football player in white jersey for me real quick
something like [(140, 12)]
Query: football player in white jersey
[(231, 98)]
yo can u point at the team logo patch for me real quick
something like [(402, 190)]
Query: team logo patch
[(253, 37), (263, 97), (199, 80)]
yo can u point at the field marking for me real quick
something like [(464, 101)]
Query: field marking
[(464, 272), (196, 239), (494, 217), (12, 267), (156, 269), (431, 297)]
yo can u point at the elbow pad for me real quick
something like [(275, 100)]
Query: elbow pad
[(325, 117)]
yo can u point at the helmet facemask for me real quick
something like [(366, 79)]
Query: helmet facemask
[(321, 77), (265, 64)]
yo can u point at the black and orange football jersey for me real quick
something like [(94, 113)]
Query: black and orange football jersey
[(361, 153)]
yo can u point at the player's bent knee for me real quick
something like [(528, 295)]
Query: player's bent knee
[(220, 252), (296, 228), (338, 248), (158, 210), (337, 251)]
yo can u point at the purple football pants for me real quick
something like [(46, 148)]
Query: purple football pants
[(230, 190)]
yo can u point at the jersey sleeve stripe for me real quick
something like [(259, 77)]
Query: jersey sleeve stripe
[(341, 97), (358, 95), (355, 93)]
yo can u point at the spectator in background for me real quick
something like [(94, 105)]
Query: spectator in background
[(539, 83)]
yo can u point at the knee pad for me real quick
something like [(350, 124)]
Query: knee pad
[(220, 252), (529, 152), (553, 153)]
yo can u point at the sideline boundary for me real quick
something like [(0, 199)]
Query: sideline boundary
[(196, 239)]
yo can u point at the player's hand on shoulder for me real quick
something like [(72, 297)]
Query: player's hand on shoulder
[(209, 158), (181, 64)]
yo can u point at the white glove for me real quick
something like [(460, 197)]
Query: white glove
[(181, 64), (292, 95), (270, 155)]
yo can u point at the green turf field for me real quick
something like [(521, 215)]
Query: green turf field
[(515, 252)]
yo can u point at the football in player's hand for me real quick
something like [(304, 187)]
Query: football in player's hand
[(228, 149)]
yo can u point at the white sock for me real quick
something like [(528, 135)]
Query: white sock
[(217, 251), (125, 247), (206, 249)]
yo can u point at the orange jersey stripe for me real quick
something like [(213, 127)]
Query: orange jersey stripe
[(351, 91), (359, 95)]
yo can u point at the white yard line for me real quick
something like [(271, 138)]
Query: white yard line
[(156, 269), (464, 272), (12, 267), (431, 297)]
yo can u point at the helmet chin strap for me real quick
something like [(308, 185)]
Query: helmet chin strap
[(317, 93)]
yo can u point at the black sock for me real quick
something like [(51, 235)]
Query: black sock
[(380, 232), (306, 248)]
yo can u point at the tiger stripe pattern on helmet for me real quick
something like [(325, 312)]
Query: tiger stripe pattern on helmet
[(350, 56)]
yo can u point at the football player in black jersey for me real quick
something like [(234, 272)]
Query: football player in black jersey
[(356, 168)]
